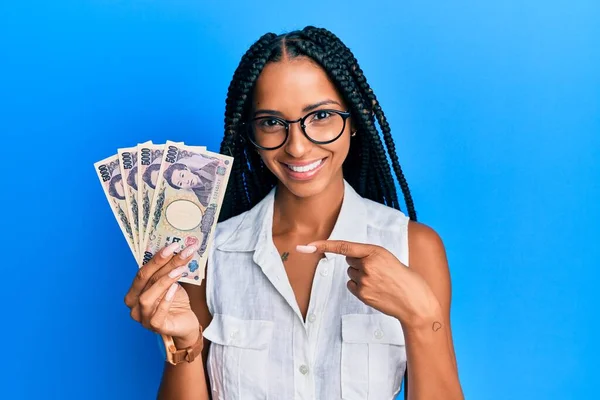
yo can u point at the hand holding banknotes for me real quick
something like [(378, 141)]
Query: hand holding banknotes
[(158, 302), (166, 199)]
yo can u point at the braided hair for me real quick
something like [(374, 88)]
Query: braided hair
[(366, 168)]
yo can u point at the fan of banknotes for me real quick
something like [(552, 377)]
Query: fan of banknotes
[(166, 193)]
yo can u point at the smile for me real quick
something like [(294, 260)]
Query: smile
[(306, 167), (304, 171)]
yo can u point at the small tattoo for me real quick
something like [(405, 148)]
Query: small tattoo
[(437, 326), (284, 256)]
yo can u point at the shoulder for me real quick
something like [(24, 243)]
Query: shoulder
[(424, 241), (427, 257), (426, 250)]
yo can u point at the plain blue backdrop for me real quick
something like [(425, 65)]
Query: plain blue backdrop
[(495, 109)]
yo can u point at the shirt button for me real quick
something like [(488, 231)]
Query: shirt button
[(325, 271), (233, 335), (312, 318), (303, 369), (378, 334)]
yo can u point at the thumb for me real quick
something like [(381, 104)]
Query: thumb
[(349, 249)]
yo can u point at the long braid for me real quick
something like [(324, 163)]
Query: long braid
[(237, 197), (387, 135), (331, 62), (338, 46), (366, 167)]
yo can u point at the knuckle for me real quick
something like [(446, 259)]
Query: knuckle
[(142, 275), (145, 301), (375, 249), (360, 292), (128, 300), (155, 323), (366, 267), (363, 282), (344, 248), (173, 263), (152, 280), (134, 315)]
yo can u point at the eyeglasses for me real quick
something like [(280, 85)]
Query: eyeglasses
[(320, 127)]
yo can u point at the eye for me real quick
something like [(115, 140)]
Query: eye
[(319, 115), (269, 123)]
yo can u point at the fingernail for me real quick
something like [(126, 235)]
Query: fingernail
[(306, 249), (189, 251), (177, 271), (169, 250), (171, 292)]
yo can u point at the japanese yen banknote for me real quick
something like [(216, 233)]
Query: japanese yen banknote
[(166, 193)]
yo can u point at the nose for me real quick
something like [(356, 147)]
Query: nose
[(297, 144)]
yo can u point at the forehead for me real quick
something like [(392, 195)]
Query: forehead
[(291, 84)]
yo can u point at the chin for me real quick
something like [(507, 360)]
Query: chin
[(305, 189)]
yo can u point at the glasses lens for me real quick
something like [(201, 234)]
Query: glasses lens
[(268, 132), (323, 126)]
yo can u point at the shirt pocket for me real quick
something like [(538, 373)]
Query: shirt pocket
[(373, 357), (238, 357)]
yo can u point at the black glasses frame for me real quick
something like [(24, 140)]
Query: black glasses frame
[(286, 123)]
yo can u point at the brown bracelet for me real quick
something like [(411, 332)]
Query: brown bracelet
[(189, 354)]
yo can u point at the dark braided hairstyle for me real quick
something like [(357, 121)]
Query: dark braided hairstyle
[(366, 167)]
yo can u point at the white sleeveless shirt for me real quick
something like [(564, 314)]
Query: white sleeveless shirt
[(261, 347)]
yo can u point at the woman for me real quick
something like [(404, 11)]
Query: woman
[(310, 291)]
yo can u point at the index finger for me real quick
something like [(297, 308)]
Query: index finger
[(147, 271), (350, 249)]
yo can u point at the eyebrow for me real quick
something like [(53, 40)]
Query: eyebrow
[(308, 108)]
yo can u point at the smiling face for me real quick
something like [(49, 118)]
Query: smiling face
[(290, 89)]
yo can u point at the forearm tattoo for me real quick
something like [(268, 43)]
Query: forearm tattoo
[(436, 326)]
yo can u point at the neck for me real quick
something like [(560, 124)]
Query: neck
[(307, 215)]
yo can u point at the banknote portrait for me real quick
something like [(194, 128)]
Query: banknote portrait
[(150, 175), (132, 178), (196, 173), (115, 188)]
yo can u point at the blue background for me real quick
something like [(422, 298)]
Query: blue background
[(495, 109)]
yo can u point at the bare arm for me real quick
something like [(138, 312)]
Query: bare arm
[(432, 368), (189, 381)]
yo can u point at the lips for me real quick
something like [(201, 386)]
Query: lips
[(304, 167), (305, 170)]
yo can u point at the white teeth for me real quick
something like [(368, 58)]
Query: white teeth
[(305, 168)]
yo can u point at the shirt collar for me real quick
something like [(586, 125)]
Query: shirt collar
[(257, 225)]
